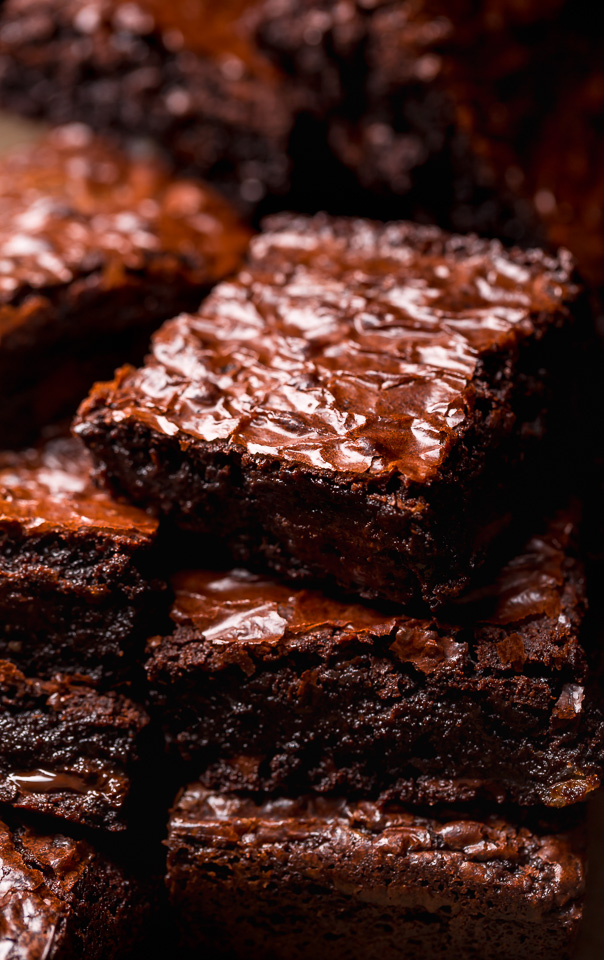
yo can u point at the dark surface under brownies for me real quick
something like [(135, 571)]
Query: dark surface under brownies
[(79, 583), (355, 881), (97, 247), (359, 404), (267, 688), (67, 750), (62, 899)]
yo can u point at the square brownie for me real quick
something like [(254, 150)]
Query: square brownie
[(63, 899), (67, 750), (80, 586), (188, 75), (267, 688), (361, 404), (97, 247), (306, 878)]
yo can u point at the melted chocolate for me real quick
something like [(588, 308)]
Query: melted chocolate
[(368, 829), (60, 898), (35, 871), (239, 606), (48, 781), (346, 347)]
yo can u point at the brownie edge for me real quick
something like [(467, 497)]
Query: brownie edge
[(396, 380), (307, 878), (67, 750), (62, 899), (80, 578), (267, 688)]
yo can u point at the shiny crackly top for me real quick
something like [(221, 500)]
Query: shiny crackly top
[(72, 205), (237, 612), (37, 875), (345, 346), (368, 832), (49, 487)]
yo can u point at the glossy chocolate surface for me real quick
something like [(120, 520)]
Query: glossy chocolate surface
[(49, 487), (241, 607), (238, 609), (345, 347), (62, 899), (38, 875), (368, 843), (276, 689), (72, 206)]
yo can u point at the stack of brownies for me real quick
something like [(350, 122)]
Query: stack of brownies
[(309, 572)]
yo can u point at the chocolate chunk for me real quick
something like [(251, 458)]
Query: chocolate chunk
[(67, 750)]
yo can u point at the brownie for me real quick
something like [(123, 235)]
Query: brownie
[(359, 404), (267, 688), (67, 750), (189, 75), (477, 116), (379, 109), (79, 582), (63, 899), (98, 247), (334, 878)]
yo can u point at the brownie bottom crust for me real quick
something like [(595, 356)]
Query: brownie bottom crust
[(297, 879)]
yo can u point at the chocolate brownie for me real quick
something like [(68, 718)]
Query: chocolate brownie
[(189, 75), (96, 248), (79, 584), (66, 749), (62, 899), (358, 404), (479, 116), (339, 879), (268, 688)]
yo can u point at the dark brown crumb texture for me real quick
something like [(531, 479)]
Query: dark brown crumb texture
[(266, 688), (331, 878), (67, 750), (360, 404), (79, 580)]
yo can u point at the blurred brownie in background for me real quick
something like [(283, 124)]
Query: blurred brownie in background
[(188, 74), (479, 116), (454, 113), (96, 248), (63, 899)]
